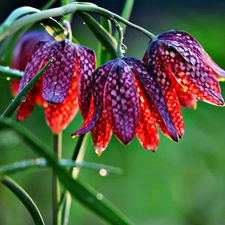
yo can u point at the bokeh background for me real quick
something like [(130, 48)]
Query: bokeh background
[(182, 183)]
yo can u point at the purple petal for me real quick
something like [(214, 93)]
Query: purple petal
[(190, 49), (86, 66), (35, 63), (95, 109), (121, 104), (148, 79), (59, 75)]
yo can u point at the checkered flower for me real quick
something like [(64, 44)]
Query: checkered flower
[(127, 100), (60, 86), (183, 68)]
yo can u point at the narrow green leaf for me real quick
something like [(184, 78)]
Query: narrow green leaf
[(100, 33), (54, 28), (80, 190), (8, 73), (25, 199), (43, 163), (21, 96)]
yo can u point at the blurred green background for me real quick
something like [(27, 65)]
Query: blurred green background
[(182, 183)]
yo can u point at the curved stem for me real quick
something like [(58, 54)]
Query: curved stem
[(120, 45), (12, 26)]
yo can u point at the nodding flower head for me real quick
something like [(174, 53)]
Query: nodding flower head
[(127, 100), (180, 64), (58, 88)]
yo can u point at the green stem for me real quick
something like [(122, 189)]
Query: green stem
[(56, 216), (120, 45), (13, 25), (78, 156)]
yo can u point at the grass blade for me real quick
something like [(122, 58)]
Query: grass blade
[(25, 199)]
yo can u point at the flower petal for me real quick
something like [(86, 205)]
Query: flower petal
[(151, 85), (187, 58), (101, 134), (188, 43), (96, 103), (29, 102), (86, 62), (121, 104), (35, 63), (59, 75), (25, 46), (166, 85), (58, 116), (147, 133), (186, 98), (195, 78)]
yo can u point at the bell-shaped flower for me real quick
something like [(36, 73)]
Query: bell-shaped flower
[(183, 67), (58, 88), (127, 100)]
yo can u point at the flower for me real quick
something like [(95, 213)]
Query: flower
[(127, 100), (58, 88), (183, 68)]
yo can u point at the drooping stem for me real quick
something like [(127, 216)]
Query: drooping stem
[(12, 26), (120, 46), (56, 195)]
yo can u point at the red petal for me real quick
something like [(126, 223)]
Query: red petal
[(96, 103), (147, 77), (58, 116), (29, 102), (14, 84), (186, 99), (121, 104), (147, 133), (101, 135), (158, 61)]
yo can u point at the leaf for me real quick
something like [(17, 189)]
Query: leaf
[(42, 163), (8, 73), (100, 33), (18, 99), (103, 56), (25, 199), (80, 190), (54, 28)]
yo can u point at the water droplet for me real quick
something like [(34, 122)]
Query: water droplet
[(55, 82), (99, 196), (103, 172), (84, 23), (7, 78), (123, 48), (12, 99), (23, 99)]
